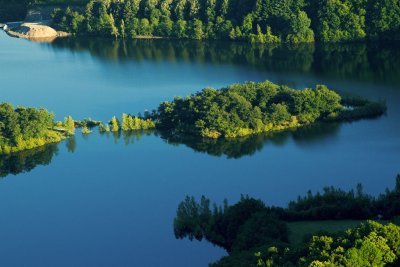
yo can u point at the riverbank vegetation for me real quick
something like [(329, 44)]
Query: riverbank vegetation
[(251, 228), (272, 21), (250, 108)]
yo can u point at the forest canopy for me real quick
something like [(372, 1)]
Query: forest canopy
[(263, 21)]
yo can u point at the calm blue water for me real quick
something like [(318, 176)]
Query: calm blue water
[(110, 201)]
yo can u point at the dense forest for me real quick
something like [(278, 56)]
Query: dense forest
[(250, 226), (250, 108), (263, 21), (25, 128)]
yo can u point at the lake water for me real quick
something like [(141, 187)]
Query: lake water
[(110, 200)]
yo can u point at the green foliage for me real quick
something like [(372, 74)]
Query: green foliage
[(244, 109), (114, 124), (103, 129), (260, 21), (25, 128), (333, 204), (383, 21), (370, 244), (86, 130), (133, 123), (260, 37), (339, 21), (68, 20), (69, 125)]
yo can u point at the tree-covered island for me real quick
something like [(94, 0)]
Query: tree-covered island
[(250, 108)]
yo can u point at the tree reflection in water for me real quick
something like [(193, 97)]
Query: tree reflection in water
[(27, 160), (365, 62), (237, 147), (249, 145)]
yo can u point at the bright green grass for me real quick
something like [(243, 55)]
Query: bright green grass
[(299, 230)]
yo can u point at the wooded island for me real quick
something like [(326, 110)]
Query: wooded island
[(235, 111)]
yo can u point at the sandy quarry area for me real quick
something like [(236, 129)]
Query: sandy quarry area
[(34, 31)]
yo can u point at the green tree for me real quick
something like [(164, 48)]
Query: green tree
[(210, 13), (196, 30), (179, 29), (69, 125), (122, 29), (383, 20), (9, 126), (114, 124), (300, 29)]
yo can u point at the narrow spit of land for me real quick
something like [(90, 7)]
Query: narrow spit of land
[(235, 111)]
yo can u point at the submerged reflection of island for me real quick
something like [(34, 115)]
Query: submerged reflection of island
[(27, 160), (237, 147), (249, 145)]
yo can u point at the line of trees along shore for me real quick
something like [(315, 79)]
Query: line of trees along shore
[(264, 21)]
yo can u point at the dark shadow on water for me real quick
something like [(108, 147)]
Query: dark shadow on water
[(247, 146), (71, 144), (132, 137), (317, 133), (364, 62), (26, 161), (128, 137), (237, 147)]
